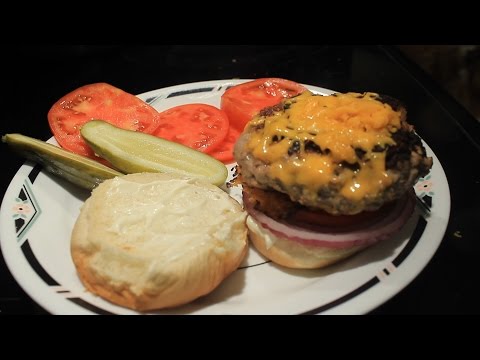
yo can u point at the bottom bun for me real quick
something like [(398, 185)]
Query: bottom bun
[(292, 254), (150, 241)]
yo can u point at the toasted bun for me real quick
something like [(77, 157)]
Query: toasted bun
[(292, 254), (150, 241)]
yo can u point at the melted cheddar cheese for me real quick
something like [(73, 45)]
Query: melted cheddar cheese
[(322, 140)]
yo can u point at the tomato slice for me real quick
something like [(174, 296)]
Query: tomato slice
[(322, 218), (97, 101), (224, 152), (243, 101), (199, 126)]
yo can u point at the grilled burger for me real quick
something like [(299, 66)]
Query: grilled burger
[(326, 176)]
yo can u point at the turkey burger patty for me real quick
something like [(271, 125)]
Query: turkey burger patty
[(344, 153)]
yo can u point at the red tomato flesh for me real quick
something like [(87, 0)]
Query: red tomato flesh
[(324, 219), (97, 101), (224, 152), (243, 101), (199, 126)]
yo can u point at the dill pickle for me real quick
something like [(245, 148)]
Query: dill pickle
[(133, 152), (77, 169)]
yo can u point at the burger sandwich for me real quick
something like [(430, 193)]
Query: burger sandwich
[(326, 176)]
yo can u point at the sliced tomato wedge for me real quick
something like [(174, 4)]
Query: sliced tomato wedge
[(97, 101), (224, 152), (199, 126), (304, 216), (243, 101)]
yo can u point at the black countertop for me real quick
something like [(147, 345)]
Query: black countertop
[(34, 77)]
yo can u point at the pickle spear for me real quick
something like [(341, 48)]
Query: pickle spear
[(79, 170), (133, 152)]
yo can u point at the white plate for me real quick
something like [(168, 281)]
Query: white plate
[(38, 213)]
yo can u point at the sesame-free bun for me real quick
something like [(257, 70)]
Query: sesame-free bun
[(293, 254), (150, 241)]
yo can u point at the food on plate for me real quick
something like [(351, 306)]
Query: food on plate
[(97, 101), (132, 152), (241, 102), (79, 170), (199, 126), (149, 241), (327, 176)]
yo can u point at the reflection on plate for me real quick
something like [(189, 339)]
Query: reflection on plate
[(38, 213)]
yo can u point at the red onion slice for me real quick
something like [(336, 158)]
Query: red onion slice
[(369, 234)]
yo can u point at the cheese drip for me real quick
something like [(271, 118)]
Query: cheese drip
[(319, 140)]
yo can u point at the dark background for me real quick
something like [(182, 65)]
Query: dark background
[(35, 76), (455, 67)]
